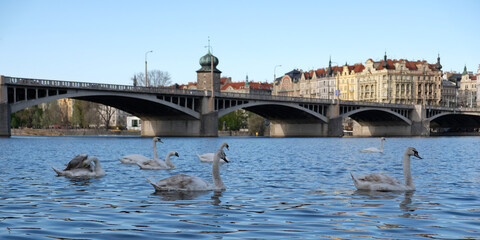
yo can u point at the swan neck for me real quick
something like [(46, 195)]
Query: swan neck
[(381, 145), (155, 150), (217, 180), (407, 172), (168, 162), (98, 167)]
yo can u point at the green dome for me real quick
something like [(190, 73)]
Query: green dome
[(206, 63)]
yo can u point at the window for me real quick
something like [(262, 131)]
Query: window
[(134, 123)]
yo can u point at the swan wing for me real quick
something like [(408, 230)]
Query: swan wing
[(153, 164), (77, 162), (133, 158), (182, 182), (378, 182), (206, 157), (368, 150)]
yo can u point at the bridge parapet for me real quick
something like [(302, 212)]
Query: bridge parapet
[(265, 97), (30, 82)]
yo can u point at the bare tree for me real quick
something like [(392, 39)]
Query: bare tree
[(156, 78), (106, 113)]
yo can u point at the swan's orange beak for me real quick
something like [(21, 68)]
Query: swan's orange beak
[(415, 153), (225, 159)]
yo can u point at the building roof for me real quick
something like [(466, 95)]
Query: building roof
[(251, 85)]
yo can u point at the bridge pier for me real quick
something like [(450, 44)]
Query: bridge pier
[(279, 129), (5, 120), (380, 131), (206, 126), (171, 128), (420, 124), (4, 110)]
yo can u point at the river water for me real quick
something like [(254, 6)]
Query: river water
[(281, 188)]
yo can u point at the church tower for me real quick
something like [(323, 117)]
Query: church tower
[(208, 76)]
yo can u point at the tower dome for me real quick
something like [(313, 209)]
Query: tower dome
[(206, 63)]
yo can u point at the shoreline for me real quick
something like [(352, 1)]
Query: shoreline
[(73, 132)]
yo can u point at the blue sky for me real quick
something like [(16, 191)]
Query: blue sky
[(105, 41)]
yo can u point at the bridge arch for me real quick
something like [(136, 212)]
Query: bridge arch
[(453, 113), (388, 111), (109, 100), (251, 106)]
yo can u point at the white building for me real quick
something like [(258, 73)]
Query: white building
[(134, 123)]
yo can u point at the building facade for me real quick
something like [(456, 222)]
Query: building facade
[(390, 81), (468, 89), (248, 87), (318, 83)]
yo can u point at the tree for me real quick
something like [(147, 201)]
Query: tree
[(234, 120), (156, 78), (52, 114), (256, 123), (106, 113), (78, 116)]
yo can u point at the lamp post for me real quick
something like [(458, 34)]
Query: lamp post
[(146, 67), (274, 72)]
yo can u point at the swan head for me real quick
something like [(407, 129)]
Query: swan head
[(411, 151), (383, 139), (223, 156), (157, 139), (89, 161), (173, 153), (225, 145)]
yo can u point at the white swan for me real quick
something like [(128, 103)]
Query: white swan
[(134, 158), (182, 182), (157, 164), (375, 150), (382, 182), (208, 157), (83, 172)]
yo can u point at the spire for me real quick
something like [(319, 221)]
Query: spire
[(385, 64), (438, 66), (465, 70), (329, 69), (246, 81), (208, 46)]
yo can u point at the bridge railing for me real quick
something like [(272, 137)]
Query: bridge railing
[(378, 104), (265, 97), (96, 86)]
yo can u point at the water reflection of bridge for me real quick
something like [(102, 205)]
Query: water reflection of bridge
[(176, 112)]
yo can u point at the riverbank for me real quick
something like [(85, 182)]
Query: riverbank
[(99, 132), (74, 132)]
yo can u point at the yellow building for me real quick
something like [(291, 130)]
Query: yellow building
[(66, 108), (347, 82), (468, 89), (392, 81)]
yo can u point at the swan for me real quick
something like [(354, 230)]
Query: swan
[(382, 182), (208, 157), (78, 162), (157, 164), (182, 182), (83, 172), (134, 158), (375, 150)]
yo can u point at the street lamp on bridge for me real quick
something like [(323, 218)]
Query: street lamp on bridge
[(274, 72), (146, 81)]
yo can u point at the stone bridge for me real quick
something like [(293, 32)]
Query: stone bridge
[(176, 112)]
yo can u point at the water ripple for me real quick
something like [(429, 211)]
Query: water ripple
[(295, 188)]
